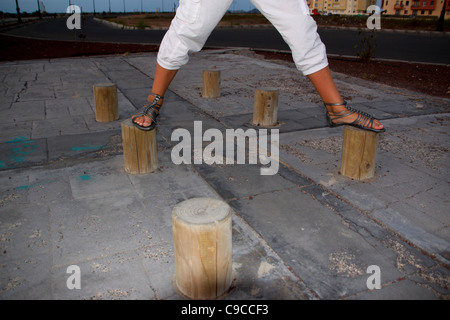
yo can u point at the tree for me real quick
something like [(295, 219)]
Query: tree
[(440, 26), (19, 18)]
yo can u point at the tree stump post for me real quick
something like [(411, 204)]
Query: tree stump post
[(359, 152), (139, 149), (211, 83), (202, 235), (106, 106), (265, 111)]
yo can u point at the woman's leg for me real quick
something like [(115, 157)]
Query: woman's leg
[(299, 30), (326, 88), (193, 23), (161, 82)]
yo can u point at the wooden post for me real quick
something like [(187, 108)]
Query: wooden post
[(202, 236), (359, 152), (139, 149), (265, 111), (105, 98), (211, 83)]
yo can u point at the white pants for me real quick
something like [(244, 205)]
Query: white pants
[(195, 20)]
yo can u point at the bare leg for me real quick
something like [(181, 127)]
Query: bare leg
[(161, 82), (325, 86)]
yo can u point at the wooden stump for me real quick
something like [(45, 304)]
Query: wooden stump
[(139, 149), (105, 98), (265, 111), (211, 83), (202, 237), (359, 152)]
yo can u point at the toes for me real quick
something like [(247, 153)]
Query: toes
[(378, 125), (147, 121), (143, 121), (138, 121)]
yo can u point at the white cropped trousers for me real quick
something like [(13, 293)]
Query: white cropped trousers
[(195, 20)]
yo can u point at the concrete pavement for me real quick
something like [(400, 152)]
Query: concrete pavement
[(306, 232)]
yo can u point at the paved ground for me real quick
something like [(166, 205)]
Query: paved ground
[(306, 232)]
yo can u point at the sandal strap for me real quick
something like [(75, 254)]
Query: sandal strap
[(150, 108), (340, 114), (363, 120), (157, 96), (336, 104)]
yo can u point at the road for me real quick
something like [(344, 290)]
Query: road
[(423, 47)]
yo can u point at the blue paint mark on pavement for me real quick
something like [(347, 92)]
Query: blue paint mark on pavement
[(29, 186), (84, 177), (88, 147), (22, 148), (19, 140)]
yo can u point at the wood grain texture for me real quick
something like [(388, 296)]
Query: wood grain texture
[(202, 234), (105, 99), (359, 152), (211, 83), (139, 149), (265, 109)]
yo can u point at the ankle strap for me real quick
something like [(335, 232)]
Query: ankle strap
[(157, 96), (336, 104)]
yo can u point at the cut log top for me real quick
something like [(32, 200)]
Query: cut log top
[(202, 237), (201, 211), (104, 85), (267, 89)]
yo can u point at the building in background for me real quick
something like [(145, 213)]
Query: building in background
[(418, 8), (347, 7)]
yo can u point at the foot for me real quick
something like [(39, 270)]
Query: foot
[(340, 114), (146, 121)]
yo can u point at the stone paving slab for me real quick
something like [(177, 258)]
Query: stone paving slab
[(402, 192), (117, 229), (306, 232)]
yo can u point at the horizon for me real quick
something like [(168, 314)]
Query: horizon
[(99, 6), (116, 6)]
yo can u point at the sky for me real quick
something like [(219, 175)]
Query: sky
[(52, 6)]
